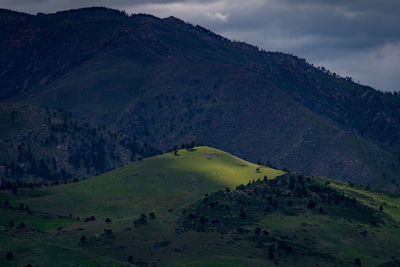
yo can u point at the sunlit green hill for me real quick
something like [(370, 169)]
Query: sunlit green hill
[(158, 184), (175, 210)]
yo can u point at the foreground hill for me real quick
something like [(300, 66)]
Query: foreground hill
[(169, 82), (39, 144), (162, 211), (162, 184)]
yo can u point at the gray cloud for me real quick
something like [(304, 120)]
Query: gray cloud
[(46, 6), (359, 38)]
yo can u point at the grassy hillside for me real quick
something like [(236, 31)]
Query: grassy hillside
[(304, 218), (161, 183), (175, 186), (155, 184)]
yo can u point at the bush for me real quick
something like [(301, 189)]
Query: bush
[(9, 256), (83, 240), (142, 219), (271, 250), (311, 204)]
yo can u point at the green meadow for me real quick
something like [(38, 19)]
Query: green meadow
[(66, 225), (154, 184), (157, 184)]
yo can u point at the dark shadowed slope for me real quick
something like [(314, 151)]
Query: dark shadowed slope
[(38, 143), (170, 82)]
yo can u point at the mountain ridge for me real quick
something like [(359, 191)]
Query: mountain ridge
[(171, 82)]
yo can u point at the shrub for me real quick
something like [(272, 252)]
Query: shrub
[(9, 255), (83, 240), (311, 204), (271, 250)]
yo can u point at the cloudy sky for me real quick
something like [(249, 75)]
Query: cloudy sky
[(357, 38)]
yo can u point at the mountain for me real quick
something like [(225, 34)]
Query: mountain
[(168, 82), (175, 210), (39, 144)]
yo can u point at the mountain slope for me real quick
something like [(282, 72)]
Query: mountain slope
[(38, 143), (154, 184), (170, 82), (164, 181), (173, 187)]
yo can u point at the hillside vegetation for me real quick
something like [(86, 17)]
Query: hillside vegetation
[(38, 144), (168, 82), (171, 210)]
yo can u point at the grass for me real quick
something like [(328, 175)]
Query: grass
[(168, 184), (43, 250), (158, 183)]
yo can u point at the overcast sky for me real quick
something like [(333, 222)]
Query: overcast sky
[(357, 38)]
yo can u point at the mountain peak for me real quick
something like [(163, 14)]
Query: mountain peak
[(92, 9), (174, 19), (122, 70)]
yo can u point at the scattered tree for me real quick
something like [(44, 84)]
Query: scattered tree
[(271, 250), (321, 210), (242, 214), (9, 256), (83, 240), (311, 204)]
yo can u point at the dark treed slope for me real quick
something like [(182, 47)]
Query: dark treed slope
[(38, 143), (169, 82)]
